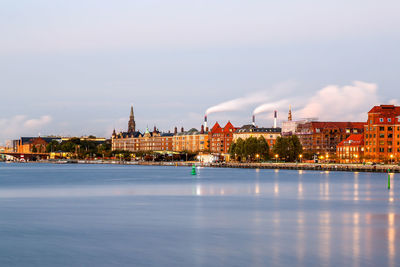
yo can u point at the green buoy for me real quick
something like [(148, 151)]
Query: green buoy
[(193, 169)]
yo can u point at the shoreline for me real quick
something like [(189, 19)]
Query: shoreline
[(269, 165)]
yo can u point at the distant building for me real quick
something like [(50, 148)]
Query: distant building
[(323, 137), (155, 141), (191, 141), (351, 150), (134, 141), (221, 138), (382, 133), (247, 131), (33, 144)]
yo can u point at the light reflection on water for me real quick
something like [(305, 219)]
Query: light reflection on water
[(164, 216)]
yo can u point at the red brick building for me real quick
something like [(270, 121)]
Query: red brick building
[(323, 137), (382, 134), (351, 150), (221, 138)]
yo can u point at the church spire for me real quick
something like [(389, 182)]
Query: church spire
[(290, 114), (131, 123)]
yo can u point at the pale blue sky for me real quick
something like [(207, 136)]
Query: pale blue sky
[(75, 67)]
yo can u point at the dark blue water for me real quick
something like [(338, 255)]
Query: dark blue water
[(105, 215)]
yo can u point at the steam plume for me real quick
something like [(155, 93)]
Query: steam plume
[(238, 103)]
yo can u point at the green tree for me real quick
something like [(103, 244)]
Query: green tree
[(34, 149), (52, 146), (288, 148), (263, 148)]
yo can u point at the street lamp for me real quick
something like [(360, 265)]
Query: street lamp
[(257, 156), (391, 159), (276, 158), (356, 156), (301, 156)]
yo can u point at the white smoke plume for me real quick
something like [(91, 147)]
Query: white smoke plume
[(269, 107), (238, 103), (333, 102)]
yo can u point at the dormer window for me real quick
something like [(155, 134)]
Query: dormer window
[(389, 120), (380, 119)]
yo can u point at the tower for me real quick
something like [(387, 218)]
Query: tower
[(290, 114), (131, 123)]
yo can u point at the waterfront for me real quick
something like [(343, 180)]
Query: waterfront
[(163, 216)]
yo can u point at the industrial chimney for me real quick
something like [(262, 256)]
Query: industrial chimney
[(205, 122), (254, 120), (275, 117)]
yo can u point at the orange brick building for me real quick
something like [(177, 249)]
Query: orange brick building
[(351, 150), (382, 134), (323, 137), (221, 138), (191, 141)]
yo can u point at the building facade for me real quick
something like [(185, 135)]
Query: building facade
[(323, 137), (135, 141), (247, 131), (221, 138), (351, 150), (382, 134), (191, 141)]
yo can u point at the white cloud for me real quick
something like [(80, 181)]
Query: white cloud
[(346, 103), (22, 125)]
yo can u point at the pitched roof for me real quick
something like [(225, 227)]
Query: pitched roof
[(354, 139), (337, 124), (386, 109)]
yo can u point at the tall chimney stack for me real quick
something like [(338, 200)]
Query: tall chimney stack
[(275, 117), (205, 122), (254, 120)]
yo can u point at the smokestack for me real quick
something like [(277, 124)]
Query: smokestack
[(254, 120), (275, 117), (202, 129), (182, 130), (175, 130), (205, 122)]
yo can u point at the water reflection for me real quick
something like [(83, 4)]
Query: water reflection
[(324, 233), (391, 238)]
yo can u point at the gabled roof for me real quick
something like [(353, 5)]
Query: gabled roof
[(354, 139)]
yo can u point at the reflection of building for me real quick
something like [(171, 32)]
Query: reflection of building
[(247, 131), (191, 141), (323, 137), (221, 138), (382, 133), (351, 150)]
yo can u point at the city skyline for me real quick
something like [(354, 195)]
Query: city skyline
[(67, 72)]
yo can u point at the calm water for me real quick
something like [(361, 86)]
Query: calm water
[(103, 215)]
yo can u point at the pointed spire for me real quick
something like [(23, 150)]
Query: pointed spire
[(290, 113), (131, 123)]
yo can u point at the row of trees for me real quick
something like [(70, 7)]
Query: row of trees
[(80, 148), (249, 149), (255, 149)]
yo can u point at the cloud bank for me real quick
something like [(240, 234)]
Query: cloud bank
[(20, 125), (342, 103)]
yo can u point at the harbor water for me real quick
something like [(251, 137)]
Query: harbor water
[(116, 215)]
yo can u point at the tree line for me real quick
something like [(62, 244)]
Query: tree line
[(255, 149)]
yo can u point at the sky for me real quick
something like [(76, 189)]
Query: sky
[(74, 68)]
